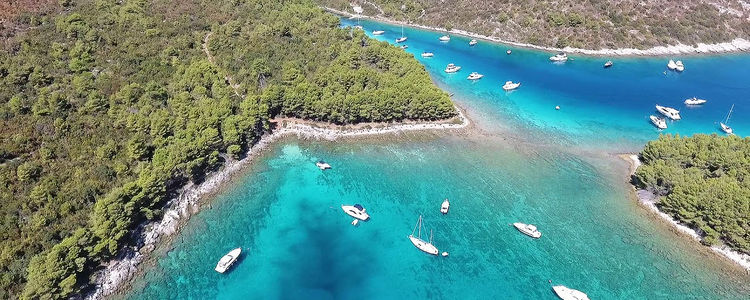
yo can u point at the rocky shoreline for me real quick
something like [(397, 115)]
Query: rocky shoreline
[(736, 45), (179, 209)]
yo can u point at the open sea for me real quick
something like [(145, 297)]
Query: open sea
[(524, 161)]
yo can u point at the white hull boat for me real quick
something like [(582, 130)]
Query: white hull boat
[(679, 67), (474, 76), (421, 244), (566, 293), (444, 38), (445, 206), (401, 39), (508, 52), (451, 68), (509, 85), (668, 112), (404, 46), (724, 126), (378, 32), (427, 54), (671, 65), (323, 165), (356, 211), (473, 42), (658, 122), (560, 57), (528, 229), (228, 260), (695, 101)]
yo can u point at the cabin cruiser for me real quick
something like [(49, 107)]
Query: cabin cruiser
[(559, 57), (444, 38), (695, 101), (378, 32), (679, 66), (658, 122), (508, 52), (445, 206), (669, 112), (451, 68), (401, 39), (671, 65), (474, 76), (427, 54), (404, 46), (421, 244), (322, 165), (228, 260), (528, 229), (472, 42), (509, 85), (356, 211), (566, 293), (608, 64)]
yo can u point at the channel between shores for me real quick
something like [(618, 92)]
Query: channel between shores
[(734, 46), (178, 210)]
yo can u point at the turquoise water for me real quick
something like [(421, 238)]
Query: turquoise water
[(526, 162)]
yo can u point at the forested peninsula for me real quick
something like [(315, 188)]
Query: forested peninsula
[(703, 182), (108, 107)]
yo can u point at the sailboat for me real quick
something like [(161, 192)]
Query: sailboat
[(419, 242), (402, 38), (724, 125)]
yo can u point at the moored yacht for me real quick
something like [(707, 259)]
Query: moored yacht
[(445, 206), (724, 126), (322, 165), (378, 32), (528, 229), (401, 39), (427, 54), (228, 260), (404, 46), (451, 68), (566, 293), (444, 38), (508, 52), (669, 112), (658, 122), (695, 101), (560, 57), (679, 66), (671, 65), (421, 244), (472, 42), (474, 76), (356, 211), (509, 85), (608, 64)]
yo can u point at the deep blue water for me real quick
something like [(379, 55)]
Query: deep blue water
[(524, 162)]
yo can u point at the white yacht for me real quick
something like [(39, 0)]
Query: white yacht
[(427, 54), (724, 126), (679, 66), (608, 64), (474, 76), (528, 229), (695, 101), (322, 165), (404, 46), (671, 65), (658, 122), (669, 112), (445, 206), (560, 57), (419, 242), (401, 39), (509, 85), (451, 68), (228, 260), (566, 293), (444, 38), (472, 42), (508, 52), (356, 211), (378, 32)]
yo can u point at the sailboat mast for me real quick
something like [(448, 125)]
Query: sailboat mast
[(420, 226), (430, 236), (729, 114)]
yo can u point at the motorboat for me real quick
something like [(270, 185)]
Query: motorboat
[(658, 122), (356, 211), (474, 76), (724, 126), (608, 64), (404, 46), (695, 101), (566, 293), (679, 66), (669, 112), (445, 206), (444, 38), (451, 68), (378, 32), (401, 39), (427, 54), (509, 85), (472, 42), (508, 52), (528, 229), (228, 260), (671, 65), (560, 57), (421, 244), (322, 165)]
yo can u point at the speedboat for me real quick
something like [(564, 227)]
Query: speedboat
[(401, 39), (427, 54), (404, 46), (608, 64), (508, 52), (444, 38), (472, 42), (445, 206), (560, 57), (421, 244), (528, 229), (679, 66), (671, 65), (228, 260), (451, 68), (658, 122), (509, 85), (322, 165), (474, 76), (669, 112), (378, 32), (356, 211), (566, 293), (695, 101)]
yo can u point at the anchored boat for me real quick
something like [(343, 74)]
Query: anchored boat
[(528, 229), (473, 42), (322, 165), (474, 76), (427, 54), (560, 57), (445, 206), (509, 85), (421, 244), (378, 32), (228, 260), (566, 293), (669, 112), (695, 101), (356, 211), (658, 122), (451, 68), (724, 126), (444, 38)]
